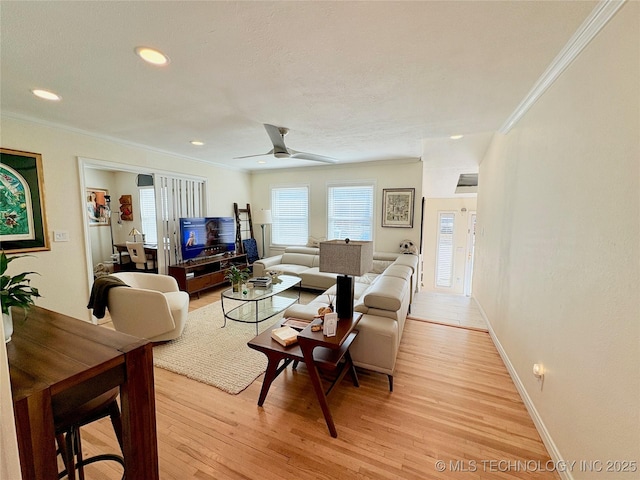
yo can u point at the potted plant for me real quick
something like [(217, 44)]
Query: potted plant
[(15, 291), (237, 277)]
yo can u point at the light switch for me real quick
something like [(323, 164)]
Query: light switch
[(60, 236)]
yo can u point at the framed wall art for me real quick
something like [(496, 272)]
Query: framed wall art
[(97, 209), (397, 207), (23, 224)]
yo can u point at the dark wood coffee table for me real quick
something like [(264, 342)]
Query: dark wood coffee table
[(317, 352)]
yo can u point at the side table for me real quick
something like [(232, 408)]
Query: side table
[(317, 352)]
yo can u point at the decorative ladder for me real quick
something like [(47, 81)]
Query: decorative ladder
[(244, 225)]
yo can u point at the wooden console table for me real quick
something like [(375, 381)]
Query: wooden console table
[(55, 362), (316, 351)]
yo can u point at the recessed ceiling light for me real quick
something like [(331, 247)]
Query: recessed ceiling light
[(262, 162), (152, 56), (197, 143), (456, 137), (46, 94)]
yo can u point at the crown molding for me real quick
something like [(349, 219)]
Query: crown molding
[(596, 21), (125, 143)]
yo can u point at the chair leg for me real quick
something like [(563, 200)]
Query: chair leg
[(390, 382), (116, 421)]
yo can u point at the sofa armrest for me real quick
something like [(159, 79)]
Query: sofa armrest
[(264, 264)]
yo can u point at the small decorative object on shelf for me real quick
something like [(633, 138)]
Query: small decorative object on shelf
[(15, 291)]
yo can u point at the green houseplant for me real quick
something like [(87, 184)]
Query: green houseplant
[(15, 291), (237, 276)]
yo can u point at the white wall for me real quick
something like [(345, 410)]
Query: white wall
[(63, 270), (433, 206), (388, 175), (558, 251)]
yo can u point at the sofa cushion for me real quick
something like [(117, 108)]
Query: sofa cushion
[(297, 259), (410, 261), (399, 271), (380, 266), (366, 279), (358, 290), (315, 279), (385, 294), (289, 268)]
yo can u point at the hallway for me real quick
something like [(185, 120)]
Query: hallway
[(441, 308)]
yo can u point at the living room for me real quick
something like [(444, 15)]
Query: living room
[(557, 247)]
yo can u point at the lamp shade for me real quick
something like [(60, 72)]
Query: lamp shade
[(134, 231), (262, 217), (353, 258)]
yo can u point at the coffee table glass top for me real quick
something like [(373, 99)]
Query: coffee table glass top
[(259, 304), (257, 293)]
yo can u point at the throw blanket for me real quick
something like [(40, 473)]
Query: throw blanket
[(100, 293)]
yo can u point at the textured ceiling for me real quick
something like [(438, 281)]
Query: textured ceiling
[(359, 81)]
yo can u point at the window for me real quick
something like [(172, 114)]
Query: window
[(290, 215), (350, 212), (444, 267), (148, 214)]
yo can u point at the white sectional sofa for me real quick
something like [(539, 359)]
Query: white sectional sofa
[(383, 296)]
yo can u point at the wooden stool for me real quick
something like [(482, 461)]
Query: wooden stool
[(68, 423)]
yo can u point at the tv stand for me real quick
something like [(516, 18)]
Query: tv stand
[(198, 274)]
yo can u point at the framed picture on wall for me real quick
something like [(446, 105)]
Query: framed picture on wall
[(397, 207), (97, 209), (23, 224)]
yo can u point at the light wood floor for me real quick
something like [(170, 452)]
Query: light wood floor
[(455, 310), (453, 401)]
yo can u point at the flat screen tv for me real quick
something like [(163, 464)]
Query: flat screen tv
[(206, 236)]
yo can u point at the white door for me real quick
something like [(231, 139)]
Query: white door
[(471, 242)]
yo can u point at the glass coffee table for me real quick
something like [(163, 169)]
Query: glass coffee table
[(259, 304)]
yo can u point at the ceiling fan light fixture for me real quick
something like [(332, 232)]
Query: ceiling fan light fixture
[(152, 56), (46, 94)]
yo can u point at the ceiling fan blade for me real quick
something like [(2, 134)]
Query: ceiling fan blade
[(270, 152), (277, 138), (312, 156)]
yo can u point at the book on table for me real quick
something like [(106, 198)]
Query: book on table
[(285, 336), (296, 323)]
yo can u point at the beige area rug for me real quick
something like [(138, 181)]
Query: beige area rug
[(217, 356)]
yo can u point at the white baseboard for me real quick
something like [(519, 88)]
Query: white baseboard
[(554, 453)]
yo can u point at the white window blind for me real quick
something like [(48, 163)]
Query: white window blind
[(350, 212), (148, 214), (444, 267), (290, 215)]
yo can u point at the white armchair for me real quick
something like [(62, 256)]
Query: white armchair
[(152, 307)]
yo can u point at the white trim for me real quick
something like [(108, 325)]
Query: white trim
[(551, 446), (123, 167), (599, 17)]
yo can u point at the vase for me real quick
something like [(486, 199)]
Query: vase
[(7, 322), (236, 287)]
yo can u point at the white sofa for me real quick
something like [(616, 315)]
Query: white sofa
[(383, 296)]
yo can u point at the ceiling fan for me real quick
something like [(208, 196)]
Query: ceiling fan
[(280, 150)]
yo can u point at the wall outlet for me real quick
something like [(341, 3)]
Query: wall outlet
[(60, 236)]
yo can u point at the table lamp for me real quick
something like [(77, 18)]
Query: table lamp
[(346, 258), (262, 218), (134, 232)]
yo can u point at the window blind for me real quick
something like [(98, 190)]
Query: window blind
[(148, 214), (444, 267), (290, 215), (350, 212)]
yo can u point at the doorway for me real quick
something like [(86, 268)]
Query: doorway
[(471, 243)]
